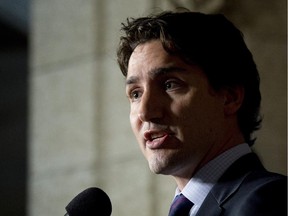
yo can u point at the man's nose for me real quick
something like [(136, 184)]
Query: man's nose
[(151, 107)]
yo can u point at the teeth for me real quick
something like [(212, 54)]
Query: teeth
[(155, 136)]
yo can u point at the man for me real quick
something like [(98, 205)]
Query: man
[(194, 97)]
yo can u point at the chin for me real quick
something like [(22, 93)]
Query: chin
[(159, 167)]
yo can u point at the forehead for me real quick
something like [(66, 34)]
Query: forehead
[(149, 57), (150, 61), (147, 51)]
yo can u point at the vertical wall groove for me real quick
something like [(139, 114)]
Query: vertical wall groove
[(99, 15)]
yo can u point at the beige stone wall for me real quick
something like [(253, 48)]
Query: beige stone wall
[(264, 25), (79, 130)]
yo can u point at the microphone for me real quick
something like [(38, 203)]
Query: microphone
[(91, 201)]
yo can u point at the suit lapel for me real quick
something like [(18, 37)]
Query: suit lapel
[(228, 184), (210, 207)]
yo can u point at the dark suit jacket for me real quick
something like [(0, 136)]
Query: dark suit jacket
[(247, 189)]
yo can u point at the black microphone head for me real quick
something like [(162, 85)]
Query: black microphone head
[(90, 202)]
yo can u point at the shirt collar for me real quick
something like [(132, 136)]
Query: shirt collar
[(201, 183)]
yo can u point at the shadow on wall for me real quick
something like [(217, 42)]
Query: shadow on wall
[(13, 123)]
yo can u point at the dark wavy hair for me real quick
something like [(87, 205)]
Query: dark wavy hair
[(208, 40)]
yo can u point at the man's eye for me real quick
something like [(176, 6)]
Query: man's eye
[(170, 85), (134, 95)]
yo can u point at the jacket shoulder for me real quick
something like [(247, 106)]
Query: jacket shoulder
[(247, 189), (252, 190), (261, 193)]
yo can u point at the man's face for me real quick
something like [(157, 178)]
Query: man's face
[(175, 114)]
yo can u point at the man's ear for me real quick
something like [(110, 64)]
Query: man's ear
[(233, 99)]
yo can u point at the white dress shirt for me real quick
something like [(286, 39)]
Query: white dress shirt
[(202, 182)]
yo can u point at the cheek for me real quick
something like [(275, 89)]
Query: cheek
[(185, 110), (134, 122), (193, 115), (136, 128)]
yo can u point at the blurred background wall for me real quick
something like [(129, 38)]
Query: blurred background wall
[(64, 114)]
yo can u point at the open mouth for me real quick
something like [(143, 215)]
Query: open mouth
[(156, 139), (157, 136)]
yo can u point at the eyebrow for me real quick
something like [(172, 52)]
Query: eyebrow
[(156, 73)]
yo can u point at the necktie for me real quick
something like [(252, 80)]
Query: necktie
[(180, 206)]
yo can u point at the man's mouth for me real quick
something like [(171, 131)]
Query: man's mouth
[(156, 139), (150, 135)]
